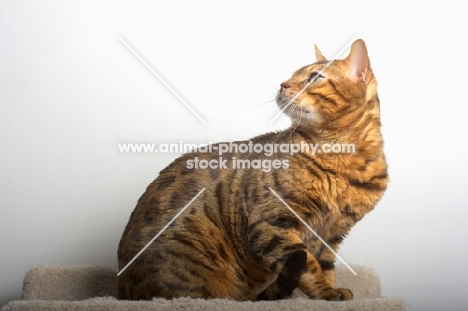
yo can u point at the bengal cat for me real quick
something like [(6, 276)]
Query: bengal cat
[(238, 240)]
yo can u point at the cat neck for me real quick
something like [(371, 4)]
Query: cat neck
[(363, 139), (363, 126)]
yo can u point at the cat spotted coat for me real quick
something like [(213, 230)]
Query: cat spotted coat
[(238, 240)]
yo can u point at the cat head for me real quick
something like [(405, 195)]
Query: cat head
[(328, 95)]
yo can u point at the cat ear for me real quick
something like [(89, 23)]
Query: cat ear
[(318, 55), (358, 59)]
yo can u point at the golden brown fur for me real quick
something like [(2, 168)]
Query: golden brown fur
[(237, 239)]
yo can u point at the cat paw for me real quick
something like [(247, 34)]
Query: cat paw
[(340, 294)]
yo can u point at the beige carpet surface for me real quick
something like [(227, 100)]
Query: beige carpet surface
[(94, 288)]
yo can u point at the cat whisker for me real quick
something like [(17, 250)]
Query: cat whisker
[(271, 107), (291, 110), (289, 103), (273, 87), (284, 109), (261, 104), (268, 102), (298, 122)]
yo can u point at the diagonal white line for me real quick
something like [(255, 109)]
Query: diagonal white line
[(312, 79), (162, 80), (313, 231), (159, 233)]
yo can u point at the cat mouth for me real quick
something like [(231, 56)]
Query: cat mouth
[(294, 111), (288, 107)]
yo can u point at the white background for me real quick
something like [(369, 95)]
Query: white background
[(70, 91)]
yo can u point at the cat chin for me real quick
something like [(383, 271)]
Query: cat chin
[(304, 123), (309, 118)]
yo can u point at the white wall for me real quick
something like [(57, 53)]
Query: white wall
[(70, 91)]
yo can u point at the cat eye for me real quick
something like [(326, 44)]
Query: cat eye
[(315, 77)]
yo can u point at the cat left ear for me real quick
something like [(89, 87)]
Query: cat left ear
[(318, 55), (359, 61)]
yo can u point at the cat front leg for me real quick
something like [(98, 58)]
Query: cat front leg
[(324, 255), (272, 246), (315, 282)]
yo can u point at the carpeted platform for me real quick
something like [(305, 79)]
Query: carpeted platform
[(94, 288)]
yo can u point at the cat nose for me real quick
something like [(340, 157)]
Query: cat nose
[(284, 86)]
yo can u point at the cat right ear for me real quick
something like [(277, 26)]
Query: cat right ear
[(318, 55), (358, 59)]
